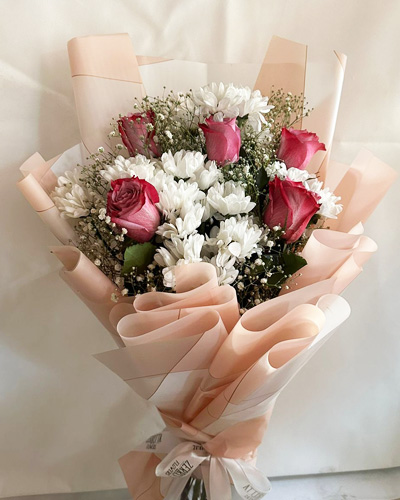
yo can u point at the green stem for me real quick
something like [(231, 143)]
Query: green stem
[(194, 490), (203, 491), (197, 489)]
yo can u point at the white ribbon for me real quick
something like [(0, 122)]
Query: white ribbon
[(186, 456)]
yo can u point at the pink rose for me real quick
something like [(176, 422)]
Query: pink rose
[(298, 147), (131, 205), (290, 206), (222, 140), (136, 136)]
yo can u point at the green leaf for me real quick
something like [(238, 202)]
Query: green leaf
[(241, 120), (138, 256), (262, 178), (292, 262)]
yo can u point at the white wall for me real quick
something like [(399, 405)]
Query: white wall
[(64, 419)]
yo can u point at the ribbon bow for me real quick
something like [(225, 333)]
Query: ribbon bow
[(181, 462)]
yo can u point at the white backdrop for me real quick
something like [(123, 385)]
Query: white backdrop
[(64, 419)]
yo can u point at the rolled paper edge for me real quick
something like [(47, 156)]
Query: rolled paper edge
[(34, 193), (322, 166), (43, 205), (284, 66), (350, 264), (301, 316), (60, 227), (147, 60), (330, 301), (119, 311), (200, 278), (101, 305), (32, 165), (84, 276), (202, 275), (366, 173), (105, 56)]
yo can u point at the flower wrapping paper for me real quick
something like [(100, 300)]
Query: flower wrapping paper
[(229, 370)]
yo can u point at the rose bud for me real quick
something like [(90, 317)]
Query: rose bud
[(298, 147), (137, 133), (290, 206), (131, 205), (222, 140)]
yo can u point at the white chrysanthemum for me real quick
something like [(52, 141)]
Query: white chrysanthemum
[(177, 252), (190, 247), (160, 179), (165, 258), (175, 194), (255, 106), (71, 197), (169, 277), (329, 206), (239, 237), (121, 168), (209, 211), (220, 99), (229, 198), (278, 168), (224, 265), (208, 175), (183, 164), (229, 101), (297, 175), (188, 222)]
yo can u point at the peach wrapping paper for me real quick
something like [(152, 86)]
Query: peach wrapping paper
[(333, 254), (105, 79), (180, 350), (89, 284), (165, 363), (362, 187), (285, 66), (38, 182)]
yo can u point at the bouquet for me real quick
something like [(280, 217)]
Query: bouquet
[(218, 175), (208, 238)]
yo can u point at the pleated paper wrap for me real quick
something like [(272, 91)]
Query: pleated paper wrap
[(213, 375)]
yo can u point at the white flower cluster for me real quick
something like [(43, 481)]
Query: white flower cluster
[(191, 195), (71, 196), (229, 101), (328, 202)]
